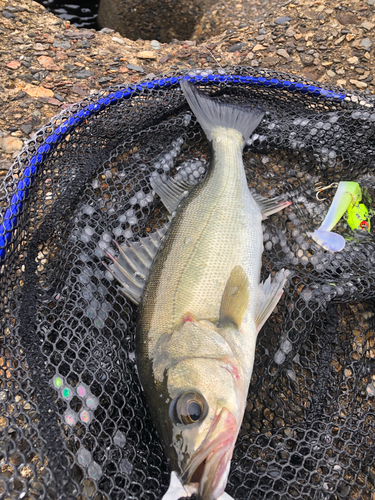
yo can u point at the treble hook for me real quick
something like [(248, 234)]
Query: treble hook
[(320, 189)]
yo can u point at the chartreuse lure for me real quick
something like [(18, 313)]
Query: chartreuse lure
[(347, 198)]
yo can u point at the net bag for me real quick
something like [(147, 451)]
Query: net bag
[(73, 420)]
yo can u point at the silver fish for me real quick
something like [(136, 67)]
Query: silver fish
[(201, 305)]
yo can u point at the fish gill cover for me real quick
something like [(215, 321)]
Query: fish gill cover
[(73, 418)]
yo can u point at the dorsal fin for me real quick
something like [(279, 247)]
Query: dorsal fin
[(235, 298), (170, 191), (133, 263)]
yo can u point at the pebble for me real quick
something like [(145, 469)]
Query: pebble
[(107, 31), (61, 45), (368, 26), (366, 43), (116, 39), (283, 53), (11, 144), (83, 74), (155, 45), (48, 63), (358, 84), (104, 79), (306, 59), (13, 64), (282, 20), (146, 54), (133, 67), (8, 15)]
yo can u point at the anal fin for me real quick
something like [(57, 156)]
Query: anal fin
[(132, 265), (269, 206), (170, 191), (269, 295), (235, 298)]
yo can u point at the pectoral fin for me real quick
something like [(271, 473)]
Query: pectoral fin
[(269, 206), (235, 298), (269, 295)]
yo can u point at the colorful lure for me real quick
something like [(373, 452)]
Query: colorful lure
[(347, 198)]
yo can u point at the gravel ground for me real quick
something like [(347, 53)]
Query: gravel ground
[(46, 64)]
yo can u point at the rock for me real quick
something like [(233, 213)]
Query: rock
[(76, 89), (34, 91), (258, 47), (155, 45), (346, 18), (48, 63), (349, 37), (358, 84), (146, 54), (353, 60), (78, 34), (306, 59), (368, 26), (11, 144), (116, 39), (13, 64), (123, 70), (84, 73), (107, 31), (283, 53), (331, 73), (132, 67), (104, 79), (237, 46), (61, 45), (341, 83), (366, 43), (282, 20), (339, 40), (8, 15)]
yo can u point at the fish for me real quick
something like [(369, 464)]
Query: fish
[(196, 282)]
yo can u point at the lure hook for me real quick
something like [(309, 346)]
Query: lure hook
[(319, 188)]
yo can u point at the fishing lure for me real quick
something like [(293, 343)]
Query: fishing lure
[(347, 198)]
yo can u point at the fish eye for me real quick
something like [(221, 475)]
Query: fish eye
[(189, 408)]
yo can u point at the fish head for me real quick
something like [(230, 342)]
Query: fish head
[(207, 395)]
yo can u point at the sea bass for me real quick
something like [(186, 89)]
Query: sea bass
[(201, 305)]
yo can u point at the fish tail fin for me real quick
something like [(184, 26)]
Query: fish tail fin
[(212, 114)]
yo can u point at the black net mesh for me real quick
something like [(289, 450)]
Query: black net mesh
[(73, 419)]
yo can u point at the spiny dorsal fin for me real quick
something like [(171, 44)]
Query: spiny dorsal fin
[(133, 263), (170, 191), (235, 298), (269, 295)]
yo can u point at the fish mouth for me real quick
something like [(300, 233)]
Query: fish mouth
[(209, 467)]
